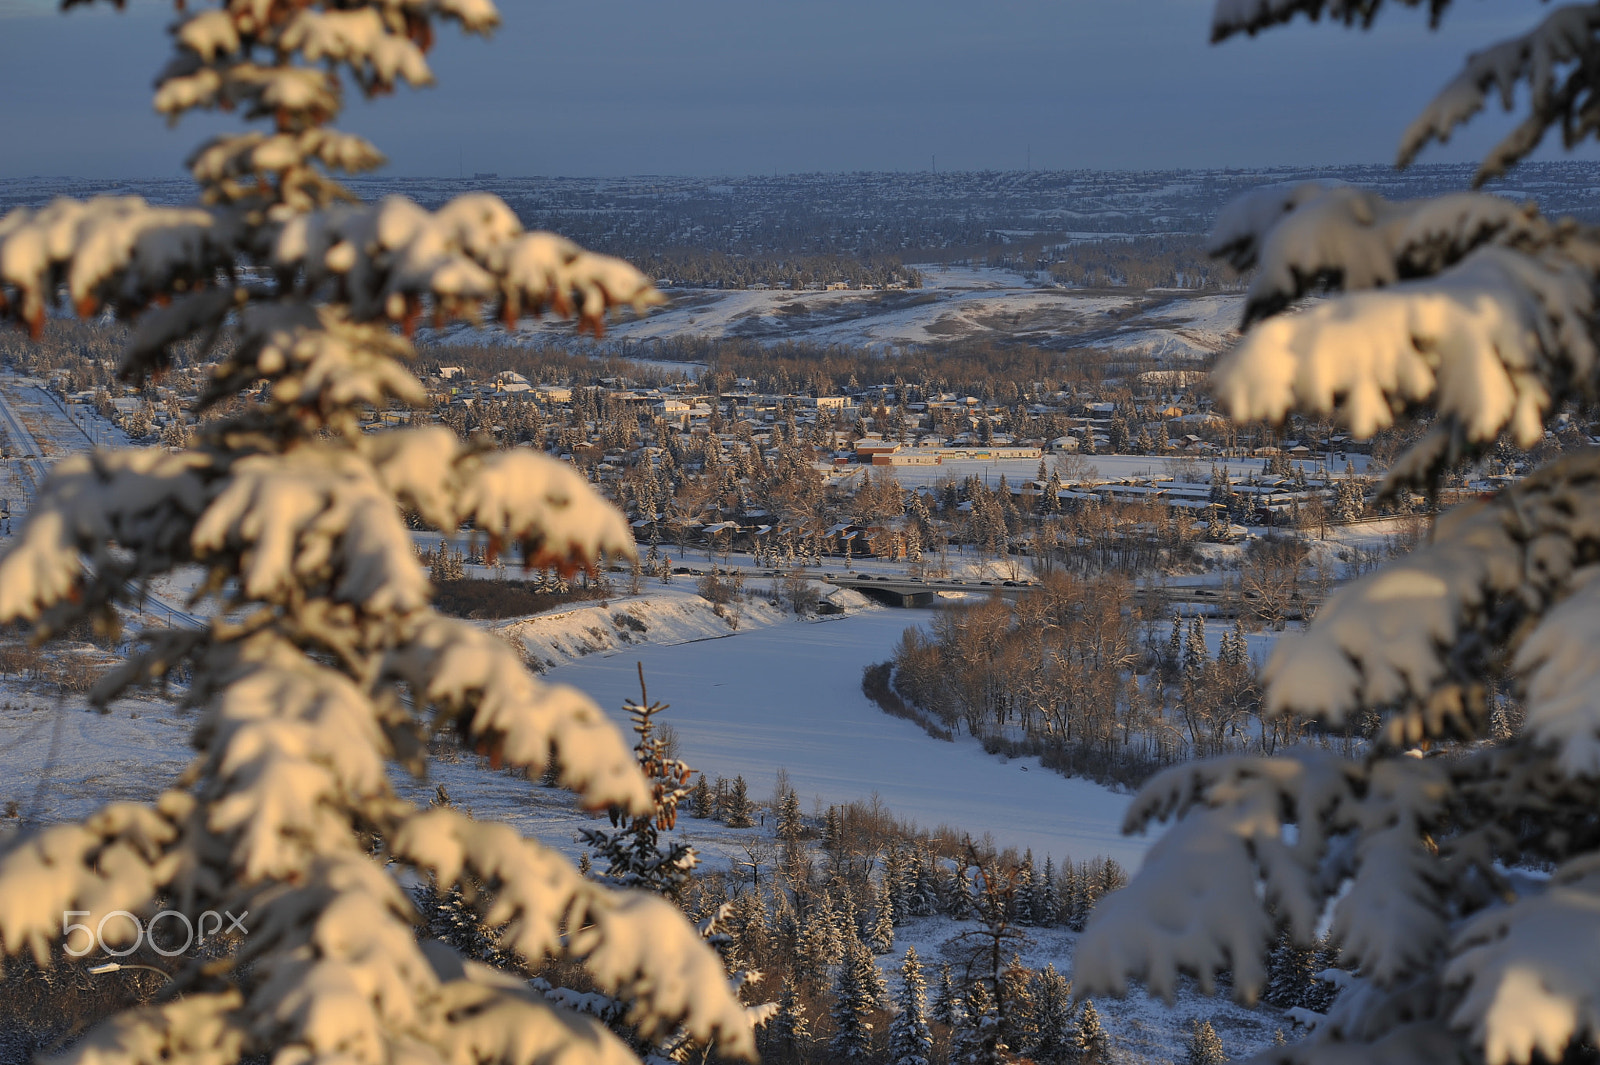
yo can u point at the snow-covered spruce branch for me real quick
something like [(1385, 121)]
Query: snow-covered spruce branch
[(378, 263), (1231, 17), (1452, 953), (634, 944), (323, 664), (1310, 236), (1557, 62), (1493, 331), (1483, 314), (1503, 582), (319, 512)]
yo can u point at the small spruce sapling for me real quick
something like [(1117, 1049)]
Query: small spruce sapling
[(1091, 1044), (737, 810), (633, 852), (1204, 1046)]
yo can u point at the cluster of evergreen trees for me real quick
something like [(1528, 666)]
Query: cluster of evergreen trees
[(725, 801), (806, 937), (964, 1022)]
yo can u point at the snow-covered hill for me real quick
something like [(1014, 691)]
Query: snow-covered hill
[(955, 303), (663, 616)]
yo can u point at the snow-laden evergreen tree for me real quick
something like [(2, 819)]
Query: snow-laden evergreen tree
[(701, 802), (1015, 1006), (749, 930), (880, 934), (324, 666), (1022, 899), (922, 898), (788, 1033), (910, 1039), (1047, 898), (1091, 1044), (813, 951), (1292, 981), (960, 896), (832, 830), (899, 882), (856, 995), (1468, 321), (737, 810), (1173, 658), (948, 1008), (1204, 1046), (872, 977), (633, 852), (846, 921), (1349, 496), (976, 1040), (1054, 1017), (791, 823), (449, 917)]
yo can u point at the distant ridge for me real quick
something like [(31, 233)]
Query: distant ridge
[(887, 213)]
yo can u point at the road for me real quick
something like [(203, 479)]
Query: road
[(26, 449), (24, 446)]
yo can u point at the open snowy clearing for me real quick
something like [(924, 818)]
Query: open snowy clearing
[(61, 761)]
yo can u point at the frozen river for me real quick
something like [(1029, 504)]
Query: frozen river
[(789, 696)]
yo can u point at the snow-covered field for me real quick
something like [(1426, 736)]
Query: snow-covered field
[(954, 303), (59, 760)]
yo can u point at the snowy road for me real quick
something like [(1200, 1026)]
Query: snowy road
[(66, 436), (789, 696)]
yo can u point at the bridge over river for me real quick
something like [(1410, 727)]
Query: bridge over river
[(913, 591), (1159, 601)]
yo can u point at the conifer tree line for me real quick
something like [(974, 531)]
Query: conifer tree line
[(807, 929)]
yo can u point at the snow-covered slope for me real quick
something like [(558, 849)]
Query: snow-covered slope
[(1180, 330), (665, 616), (954, 303)]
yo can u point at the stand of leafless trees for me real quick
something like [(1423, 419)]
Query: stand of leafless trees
[(1076, 675)]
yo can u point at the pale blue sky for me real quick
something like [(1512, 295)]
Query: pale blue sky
[(749, 86)]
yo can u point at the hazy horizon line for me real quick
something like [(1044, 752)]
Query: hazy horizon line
[(728, 176)]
